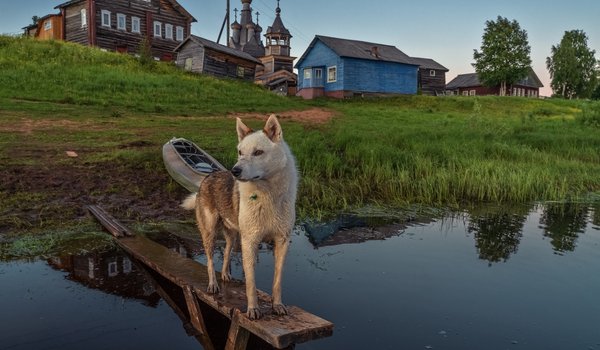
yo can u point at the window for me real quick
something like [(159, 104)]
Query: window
[(432, 72), (121, 21), (465, 93), (307, 73), (471, 92), (240, 71), (179, 33), (331, 74), (48, 25), (318, 74), (169, 31), (83, 14), (105, 18), (135, 25), (157, 29)]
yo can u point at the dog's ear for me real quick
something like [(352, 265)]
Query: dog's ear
[(242, 129), (273, 129)]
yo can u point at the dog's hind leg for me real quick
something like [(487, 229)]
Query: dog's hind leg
[(207, 223), (230, 241), (280, 249)]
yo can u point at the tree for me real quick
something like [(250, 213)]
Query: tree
[(504, 57), (35, 19), (573, 67)]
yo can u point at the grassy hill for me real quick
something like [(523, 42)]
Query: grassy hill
[(116, 112)]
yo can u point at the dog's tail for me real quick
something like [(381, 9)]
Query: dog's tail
[(190, 202)]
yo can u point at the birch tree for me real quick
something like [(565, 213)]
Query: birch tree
[(504, 56)]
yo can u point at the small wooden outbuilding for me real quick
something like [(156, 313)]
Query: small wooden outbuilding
[(199, 55)]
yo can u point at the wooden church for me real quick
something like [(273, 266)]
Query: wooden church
[(277, 69)]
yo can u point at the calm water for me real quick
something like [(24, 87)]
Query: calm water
[(524, 278)]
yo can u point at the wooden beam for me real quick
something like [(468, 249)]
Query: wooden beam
[(237, 339)]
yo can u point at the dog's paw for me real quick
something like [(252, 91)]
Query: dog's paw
[(212, 288), (226, 277), (253, 313), (279, 309)]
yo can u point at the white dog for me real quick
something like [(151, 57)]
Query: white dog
[(257, 200)]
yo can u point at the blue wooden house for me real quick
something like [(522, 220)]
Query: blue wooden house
[(343, 68)]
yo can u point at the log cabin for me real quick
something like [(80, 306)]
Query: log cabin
[(200, 55), (123, 25), (49, 27), (470, 85), (432, 76)]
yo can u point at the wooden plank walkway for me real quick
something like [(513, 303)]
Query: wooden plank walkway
[(279, 331)]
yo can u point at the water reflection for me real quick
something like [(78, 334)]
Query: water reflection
[(497, 231), (562, 223)]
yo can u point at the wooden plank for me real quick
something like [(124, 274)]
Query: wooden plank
[(279, 331), (237, 339), (112, 225)]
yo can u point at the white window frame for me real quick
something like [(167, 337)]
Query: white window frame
[(465, 93), (331, 69), (48, 24), (168, 31), (472, 92), (318, 74), (307, 73), (83, 16), (136, 26), (432, 72), (105, 23), (179, 33), (157, 34), (123, 18)]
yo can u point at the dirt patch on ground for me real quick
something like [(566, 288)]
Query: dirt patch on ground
[(313, 115), (27, 126)]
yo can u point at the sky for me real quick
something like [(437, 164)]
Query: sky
[(446, 31)]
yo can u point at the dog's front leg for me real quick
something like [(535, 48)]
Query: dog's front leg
[(280, 251), (249, 251)]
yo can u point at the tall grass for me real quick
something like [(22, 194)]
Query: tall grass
[(395, 151)]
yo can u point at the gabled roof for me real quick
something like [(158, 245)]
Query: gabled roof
[(173, 3), (428, 63), (472, 79), (360, 49), (218, 47), (464, 80)]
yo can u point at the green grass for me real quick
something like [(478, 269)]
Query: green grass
[(383, 152)]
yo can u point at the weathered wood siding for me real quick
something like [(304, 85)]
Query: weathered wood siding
[(523, 91), (430, 85), (191, 57), (125, 40), (74, 31), (208, 61)]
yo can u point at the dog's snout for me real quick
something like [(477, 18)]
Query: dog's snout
[(236, 171)]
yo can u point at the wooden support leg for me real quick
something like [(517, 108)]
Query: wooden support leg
[(194, 310), (238, 336)]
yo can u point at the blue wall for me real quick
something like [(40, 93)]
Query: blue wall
[(379, 76), (357, 74)]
